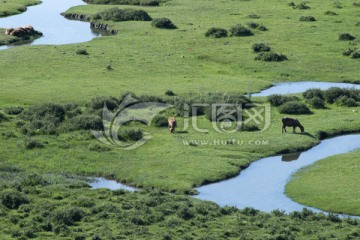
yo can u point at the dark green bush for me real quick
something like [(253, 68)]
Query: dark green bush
[(249, 127), (316, 102), (82, 52), (13, 110), (84, 122), (257, 26), (30, 143), (13, 199), (277, 99), (96, 147), (307, 19), (313, 92), (126, 2), (333, 93), (240, 31), (100, 101), (131, 134), (260, 47), (254, 16), (163, 23), (356, 4), (294, 107), (67, 216), (346, 101), (170, 93), (301, 6), (3, 117), (118, 15), (331, 13), (271, 57), (346, 37), (160, 121), (355, 54), (216, 32), (33, 180)]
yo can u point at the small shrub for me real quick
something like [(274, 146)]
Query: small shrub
[(170, 93), (82, 52), (163, 23), (240, 31), (257, 26), (3, 117), (271, 57), (160, 121), (333, 93), (67, 216), (349, 52), (96, 147), (316, 102), (355, 55), (249, 127), (331, 13), (294, 107), (13, 199), (118, 15), (13, 110), (346, 101), (301, 6), (99, 102), (216, 32), (307, 19), (260, 47), (131, 134), (277, 99), (357, 23), (254, 16), (84, 122), (356, 4), (313, 92), (33, 180), (30, 143), (8, 134), (346, 37)]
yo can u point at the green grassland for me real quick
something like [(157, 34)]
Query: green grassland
[(11, 7), (146, 60), (150, 60), (330, 184)]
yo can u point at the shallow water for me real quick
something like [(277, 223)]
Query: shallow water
[(109, 184), (298, 87), (262, 184), (46, 18)]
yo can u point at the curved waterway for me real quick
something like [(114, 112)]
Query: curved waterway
[(262, 184), (56, 29), (299, 87)]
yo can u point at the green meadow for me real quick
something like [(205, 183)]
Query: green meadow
[(47, 107)]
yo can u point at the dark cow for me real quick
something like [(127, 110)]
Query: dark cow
[(291, 122), (171, 124)]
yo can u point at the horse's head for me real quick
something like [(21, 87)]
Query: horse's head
[(302, 128)]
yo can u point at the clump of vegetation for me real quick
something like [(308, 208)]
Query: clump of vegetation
[(131, 135), (96, 147), (83, 122), (258, 26), (163, 23), (67, 216), (170, 93), (216, 32), (346, 101), (301, 6), (249, 127), (100, 101), (294, 107), (127, 2), (271, 57), (307, 19), (118, 15), (254, 16), (332, 94), (313, 92), (3, 117), (13, 110), (160, 121), (331, 13), (316, 102), (240, 31), (260, 47), (31, 143), (13, 199), (82, 52), (346, 37), (356, 4), (278, 99)]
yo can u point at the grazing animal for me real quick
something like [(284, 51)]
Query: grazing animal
[(291, 122), (171, 124)]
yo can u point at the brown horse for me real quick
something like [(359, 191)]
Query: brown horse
[(171, 124), (291, 122)]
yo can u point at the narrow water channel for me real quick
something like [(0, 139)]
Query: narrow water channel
[(262, 184), (56, 29)]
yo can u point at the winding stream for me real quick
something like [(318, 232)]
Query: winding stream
[(262, 184), (46, 18), (298, 87)]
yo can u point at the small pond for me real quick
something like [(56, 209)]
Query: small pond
[(298, 87), (98, 182), (262, 184), (46, 18)]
